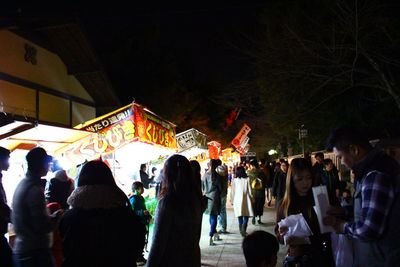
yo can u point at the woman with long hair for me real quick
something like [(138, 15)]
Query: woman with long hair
[(196, 169), (299, 199), (100, 229), (177, 226), (242, 199)]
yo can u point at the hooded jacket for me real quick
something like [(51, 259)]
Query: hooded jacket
[(100, 229), (59, 188)]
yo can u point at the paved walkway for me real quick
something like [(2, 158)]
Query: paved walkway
[(228, 252)]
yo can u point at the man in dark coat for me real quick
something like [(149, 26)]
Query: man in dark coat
[(330, 178), (30, 218), (212, 190), (279, 183), (144, 177)]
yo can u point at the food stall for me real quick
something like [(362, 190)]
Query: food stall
[(230, 157), (124, 139)]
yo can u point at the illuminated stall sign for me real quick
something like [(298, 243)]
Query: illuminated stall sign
[(191, 138), (115, 117), (119, 128), (185, 140), (103, 142), (152, 129)]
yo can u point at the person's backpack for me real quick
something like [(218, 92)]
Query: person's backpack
[(257, 184)]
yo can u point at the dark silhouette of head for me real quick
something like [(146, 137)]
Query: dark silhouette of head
[(178, 181), (254, 163), (95, 172), (260, 248), (38, 161), (4, 158), (137, 185), (343, 137), (240, 172)]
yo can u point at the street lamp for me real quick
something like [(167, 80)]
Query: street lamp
[(302, 136), (272, 152)]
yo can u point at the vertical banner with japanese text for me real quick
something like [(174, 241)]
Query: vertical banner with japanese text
[(241, 139)]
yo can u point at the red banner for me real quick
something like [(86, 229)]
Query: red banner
[(151, 129), (241, 136)]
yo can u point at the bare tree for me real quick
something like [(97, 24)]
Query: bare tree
[(322, 63)]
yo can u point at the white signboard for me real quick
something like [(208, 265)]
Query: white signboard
[(191, 138)]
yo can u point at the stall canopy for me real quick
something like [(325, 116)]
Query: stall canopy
[(192, 144), (148, 135), (27, 135), (21, 136)]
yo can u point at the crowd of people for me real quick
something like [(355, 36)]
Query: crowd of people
[(92, 222)]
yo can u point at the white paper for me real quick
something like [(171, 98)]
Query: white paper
[(297, 226), (321, 207)]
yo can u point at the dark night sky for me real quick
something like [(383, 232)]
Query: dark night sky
[(198, 40)]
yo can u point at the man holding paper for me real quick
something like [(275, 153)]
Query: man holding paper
[(375, 228)]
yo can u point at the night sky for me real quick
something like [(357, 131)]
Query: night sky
[(183, 62), (200, 42)]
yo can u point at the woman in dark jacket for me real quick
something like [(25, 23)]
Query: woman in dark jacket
[(100, 229), (177, 226), (212, 190)]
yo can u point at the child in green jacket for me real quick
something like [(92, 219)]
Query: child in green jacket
[(139, 208)]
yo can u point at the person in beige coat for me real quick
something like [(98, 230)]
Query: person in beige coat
[(242, 199)]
